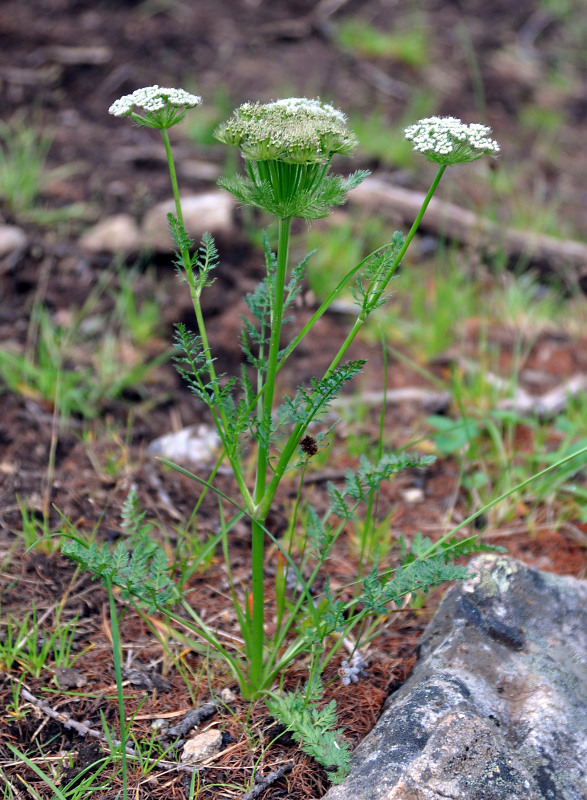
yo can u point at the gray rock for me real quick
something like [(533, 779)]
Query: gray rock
[(11, 238), (210, 211), (69, 678), (116, 234), (496, 708)]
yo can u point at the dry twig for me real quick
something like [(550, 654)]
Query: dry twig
[(267, 781), (84, 730)]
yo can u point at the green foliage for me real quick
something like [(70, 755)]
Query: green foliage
[(431, 304), (425, 567), (135, 317), (23, 153), (313, 727), (410, 47), (305, 407), (329, 192), (319, 536), (255, 337), (192, 363), (24, 146), (85, 784), (194, 268), (333, 248), (453, 435), (369, 291), (43, 371), (35, 530), (33, 648), (331, 614), (368, 478), (196, 369), (139, 567)]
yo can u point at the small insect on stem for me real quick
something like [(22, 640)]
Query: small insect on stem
[(309, 445)]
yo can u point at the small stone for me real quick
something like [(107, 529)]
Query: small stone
[(11, 238), (117, 234), (202, 746), (196, 444), (159, 724), (413, 495), (198, 170), (227, 696), (69, 678), (211, 211)]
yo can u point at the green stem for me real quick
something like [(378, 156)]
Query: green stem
[(195, 291), (373, 299), (299, 429), (276, 323), (116, 652), (172, 175), (258, 532)]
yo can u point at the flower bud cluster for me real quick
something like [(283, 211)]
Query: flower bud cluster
[(447, 140), (295, 130), (163, 107)]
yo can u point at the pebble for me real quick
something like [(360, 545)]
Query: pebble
[(69, 678), (116, 234), (210, 211), (196, 444), (227, 696), (202, 746), (413, 495), (11, 238)]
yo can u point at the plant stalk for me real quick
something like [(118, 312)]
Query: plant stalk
[(373, 299), (258, 533), (116, 652)]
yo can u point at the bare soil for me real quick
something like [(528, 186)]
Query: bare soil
[(66, 61)]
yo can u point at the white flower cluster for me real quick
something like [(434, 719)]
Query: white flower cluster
[(152, 99), (295, 130), (350, 673), (304, 105), (447, 140)]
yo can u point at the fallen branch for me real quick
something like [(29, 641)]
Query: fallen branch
[(465, 226), (431, 401), (545, 405), (549, 404), (80, 728), (191, 720), (84, 730), (267, 781)]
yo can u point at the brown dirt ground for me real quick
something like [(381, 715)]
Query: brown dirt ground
[(66, 60)]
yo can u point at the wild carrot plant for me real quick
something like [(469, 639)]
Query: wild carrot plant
[(287, 147)]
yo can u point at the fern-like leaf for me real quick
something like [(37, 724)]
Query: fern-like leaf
[(313, 728)]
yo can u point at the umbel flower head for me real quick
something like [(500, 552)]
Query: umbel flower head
[(288, 146), (447, 140), (163, 107), (294, 131)]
